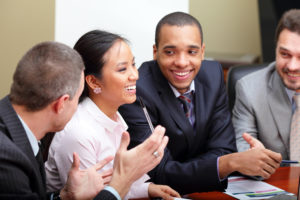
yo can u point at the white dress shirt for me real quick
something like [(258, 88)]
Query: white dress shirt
[(92, 135)]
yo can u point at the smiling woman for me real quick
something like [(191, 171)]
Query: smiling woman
[(119, 76), (95, 130)]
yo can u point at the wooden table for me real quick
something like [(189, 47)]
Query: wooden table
[(285, 178)]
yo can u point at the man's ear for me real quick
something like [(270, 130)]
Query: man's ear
[(203, 51), (154, 52), (59, 104), (92, 82)]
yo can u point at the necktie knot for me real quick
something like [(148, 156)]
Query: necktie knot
[(296, 98), (186, 100), (187, 97)]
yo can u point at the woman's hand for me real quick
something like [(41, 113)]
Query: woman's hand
[(162, 191)]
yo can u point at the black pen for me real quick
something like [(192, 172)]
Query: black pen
[(290, 161), (146, 114)]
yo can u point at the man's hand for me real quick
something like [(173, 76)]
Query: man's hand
[(253, 142), (258, 162), (130, 165), (254, 162), (85, 184)]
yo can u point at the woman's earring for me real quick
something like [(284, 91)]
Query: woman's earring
[(97, 90)]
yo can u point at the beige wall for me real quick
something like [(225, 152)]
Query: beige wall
[(230, 26), (22, 24)]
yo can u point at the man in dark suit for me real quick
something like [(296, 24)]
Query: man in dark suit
[(44, 95), (191, 103)]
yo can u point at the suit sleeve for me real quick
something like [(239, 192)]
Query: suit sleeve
[(15, 173), (218, 128), (243, 116), (105, 195)]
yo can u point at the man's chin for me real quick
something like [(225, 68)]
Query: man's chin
[(293, 86), (58, 128)]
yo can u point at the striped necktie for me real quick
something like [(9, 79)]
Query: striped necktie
[(186, 100), (295, 131)]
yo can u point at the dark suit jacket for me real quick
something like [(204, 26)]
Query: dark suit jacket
[(20, 177), (190, 160), (105, 195)]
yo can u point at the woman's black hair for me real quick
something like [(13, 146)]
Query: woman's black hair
[(92, 47)]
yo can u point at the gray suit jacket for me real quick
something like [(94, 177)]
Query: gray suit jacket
[(263, 109)]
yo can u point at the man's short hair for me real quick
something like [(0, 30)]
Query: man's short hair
[(46, 72), (290, 20), (177, 19)]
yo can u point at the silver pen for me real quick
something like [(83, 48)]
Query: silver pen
[(146, 114)]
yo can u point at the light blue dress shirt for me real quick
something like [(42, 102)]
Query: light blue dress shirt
[(290, 94), (31, 137), (177, 94)]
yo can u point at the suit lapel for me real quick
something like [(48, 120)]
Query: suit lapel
[(17, 133), (174, 107), (199, 109), (280, 106)]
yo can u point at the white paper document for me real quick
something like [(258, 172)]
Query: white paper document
[(244, 188)]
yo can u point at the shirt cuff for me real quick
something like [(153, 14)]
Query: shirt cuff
[(139, 188), (219, 170), (113, 191)]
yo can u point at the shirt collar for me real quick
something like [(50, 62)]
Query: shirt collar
[(290, 94), (31, 137), (102, 118), (177, 94)]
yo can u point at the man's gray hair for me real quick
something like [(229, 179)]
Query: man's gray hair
[(46, 72)]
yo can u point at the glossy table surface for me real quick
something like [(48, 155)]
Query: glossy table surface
[(285, 178)]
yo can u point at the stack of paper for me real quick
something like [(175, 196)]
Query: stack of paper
[(243, 188)]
